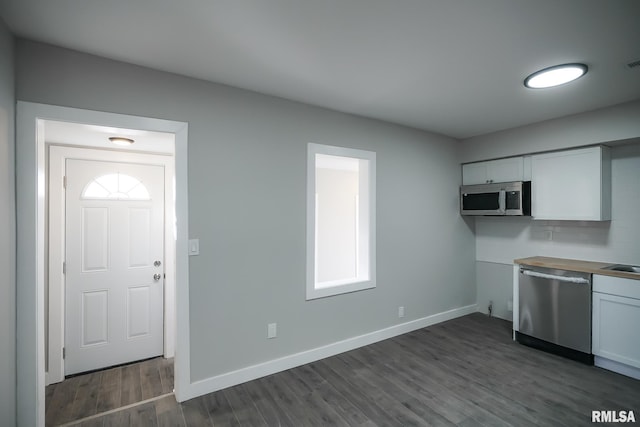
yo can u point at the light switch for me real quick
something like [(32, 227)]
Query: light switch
[(194, 247)]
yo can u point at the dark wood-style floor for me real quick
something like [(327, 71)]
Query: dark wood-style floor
[(87, 395), (465, 372)]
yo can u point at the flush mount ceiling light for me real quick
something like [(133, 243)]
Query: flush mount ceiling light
[(119, 140), (555, 76)]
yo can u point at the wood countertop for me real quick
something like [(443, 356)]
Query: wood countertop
[(575, 265)]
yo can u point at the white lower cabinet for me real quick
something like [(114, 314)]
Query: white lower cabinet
[(616, 317)]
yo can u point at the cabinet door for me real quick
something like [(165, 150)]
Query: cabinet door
[(474, 173), (615, 322), (502, 170), (505, 170), (571, 185)]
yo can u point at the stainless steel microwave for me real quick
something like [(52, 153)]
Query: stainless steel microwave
[(500, 199)]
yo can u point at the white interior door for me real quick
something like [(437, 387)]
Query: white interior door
[(114, 263)]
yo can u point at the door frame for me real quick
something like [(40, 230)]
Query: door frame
[(57, 156), (30, 250)]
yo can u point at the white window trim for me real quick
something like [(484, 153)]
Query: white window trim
[(340, 286)]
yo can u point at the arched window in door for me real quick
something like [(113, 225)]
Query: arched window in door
[(115, 186)]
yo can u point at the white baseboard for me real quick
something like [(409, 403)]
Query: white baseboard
[(229, 379)]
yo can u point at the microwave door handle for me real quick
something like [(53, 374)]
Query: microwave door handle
[(502, 201)]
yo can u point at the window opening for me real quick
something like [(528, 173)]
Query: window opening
[(340, 220)]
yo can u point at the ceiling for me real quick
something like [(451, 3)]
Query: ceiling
[(85, 135), (453, 67)]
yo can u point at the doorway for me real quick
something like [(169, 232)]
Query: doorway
[(114, 264), (31, 195), (111, 275)]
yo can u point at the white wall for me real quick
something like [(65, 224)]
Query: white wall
[(247, 202), (501, 240), (7, 231)]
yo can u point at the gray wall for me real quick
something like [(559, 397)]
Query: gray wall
[(247, 205), (7, 231), (616, 123), (494, 286), (501, 240)]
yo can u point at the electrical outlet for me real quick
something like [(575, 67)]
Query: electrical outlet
[(401, 311), (272, 331), (509, 305)]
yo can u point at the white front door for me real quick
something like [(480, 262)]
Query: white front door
[(114, 263)]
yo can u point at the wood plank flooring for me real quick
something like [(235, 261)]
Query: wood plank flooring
[(97, 392), (466, 372)]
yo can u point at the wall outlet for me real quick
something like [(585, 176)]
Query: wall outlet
[(509, 305), (401, 311), (272, 330)]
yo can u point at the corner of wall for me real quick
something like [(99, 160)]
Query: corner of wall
[(7, 228)]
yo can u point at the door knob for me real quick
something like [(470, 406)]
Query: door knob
[(156, 277), (157, 263)]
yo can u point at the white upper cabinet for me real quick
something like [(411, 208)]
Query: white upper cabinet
[(527, 168), (572, 185), (503, 170)]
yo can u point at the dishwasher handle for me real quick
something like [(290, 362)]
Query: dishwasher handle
[(569, 279)]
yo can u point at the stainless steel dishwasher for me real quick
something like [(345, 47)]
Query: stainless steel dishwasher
[(555, 311)]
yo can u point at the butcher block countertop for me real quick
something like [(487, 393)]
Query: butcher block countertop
[(575, 265)]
